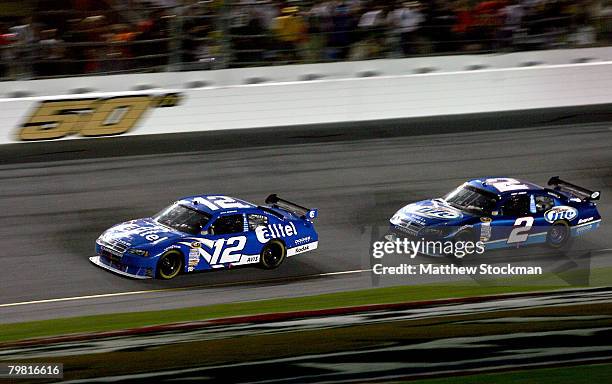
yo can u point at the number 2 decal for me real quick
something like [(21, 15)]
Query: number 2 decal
[(519, 233), (505, 185)]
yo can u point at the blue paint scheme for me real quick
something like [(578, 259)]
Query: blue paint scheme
[(134, 247), (497, 225)]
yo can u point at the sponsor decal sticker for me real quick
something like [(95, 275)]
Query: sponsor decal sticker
[(586, 220), (150, 233), (303, 240), (302, 248), (436, 212), (275, 231), (485, 229), (586, 228), (560, 213), (194, 257), (249, 259)]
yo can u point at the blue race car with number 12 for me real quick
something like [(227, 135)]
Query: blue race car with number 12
[(502, 212), (207, 232)]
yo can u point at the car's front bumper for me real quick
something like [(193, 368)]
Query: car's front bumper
[(122, 269)]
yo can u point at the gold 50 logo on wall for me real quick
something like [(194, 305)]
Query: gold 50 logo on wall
[(54, 119)]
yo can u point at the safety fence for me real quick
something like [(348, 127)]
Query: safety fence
[(211, 35)]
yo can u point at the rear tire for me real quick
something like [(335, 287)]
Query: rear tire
[(272, 255), (558, 235), (169, 265)]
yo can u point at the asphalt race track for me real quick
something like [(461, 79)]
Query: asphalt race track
[(54, 207)]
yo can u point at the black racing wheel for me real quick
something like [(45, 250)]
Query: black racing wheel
[(272, 254), (559, 234), (169, 265)]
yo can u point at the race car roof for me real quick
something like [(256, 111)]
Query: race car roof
[(504, 185), (216, 204)]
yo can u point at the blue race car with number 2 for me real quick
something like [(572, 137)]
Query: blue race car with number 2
[(502, 212), (207, 232)]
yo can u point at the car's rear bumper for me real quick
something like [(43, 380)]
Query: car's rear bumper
[(141, 273)]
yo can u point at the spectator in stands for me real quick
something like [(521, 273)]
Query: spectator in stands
[(344, 20), (290, 32), (487, 20), (247, 35), (372, 27), (152, 40), (25, 38), (51, 51), (464, 26), (119, 54), (372, 20), (440, 24), (91, 36), (6, 52), (267, 11), (405, 20), (76, 54), (512, 15), (583, 34), (201, 43), (320, 26)]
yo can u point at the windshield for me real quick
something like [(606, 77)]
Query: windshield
[(470, 198), (183, 219)]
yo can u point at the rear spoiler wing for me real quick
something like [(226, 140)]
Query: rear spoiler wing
[(581, 192), (303, 212)]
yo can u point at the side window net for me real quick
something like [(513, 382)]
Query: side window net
[(228, 224), (544, 203), (257, 221)]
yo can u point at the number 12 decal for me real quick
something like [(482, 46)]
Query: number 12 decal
[(231, 253), (220, 202), (519, 233)]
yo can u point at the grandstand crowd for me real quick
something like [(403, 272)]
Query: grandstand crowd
[(58, 38)]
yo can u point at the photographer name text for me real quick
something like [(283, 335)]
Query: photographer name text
[(451, 269)]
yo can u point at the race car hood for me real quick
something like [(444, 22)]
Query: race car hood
[(140, 233), (431, 212)]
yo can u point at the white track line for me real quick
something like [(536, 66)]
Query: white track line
[(105, 295)]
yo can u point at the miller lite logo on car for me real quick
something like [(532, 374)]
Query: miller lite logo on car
[(560, 213), (437, 212)]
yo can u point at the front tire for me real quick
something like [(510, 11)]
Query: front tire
[(272, 254), (558, 235), (169, 265)]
